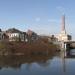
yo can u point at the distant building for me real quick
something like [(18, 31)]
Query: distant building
[(14, 34), (32, 36), (63, 36), (23, 37), (0, 34), (17, 35), (3, 36)]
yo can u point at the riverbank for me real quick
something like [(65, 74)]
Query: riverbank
[(22, 48)]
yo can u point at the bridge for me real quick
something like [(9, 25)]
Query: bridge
[(69, 41), (65, 46)]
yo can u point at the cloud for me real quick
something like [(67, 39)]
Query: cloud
[(61, 9), (52, 20), (37, 19)]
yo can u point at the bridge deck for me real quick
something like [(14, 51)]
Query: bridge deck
[(69, 41)]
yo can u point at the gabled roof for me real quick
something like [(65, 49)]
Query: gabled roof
[(13, 30)]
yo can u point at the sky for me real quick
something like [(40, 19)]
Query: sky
[(41, 16)]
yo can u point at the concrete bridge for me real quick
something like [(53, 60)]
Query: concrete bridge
[(66, 46)]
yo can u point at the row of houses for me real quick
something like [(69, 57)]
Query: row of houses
[(17, 35)]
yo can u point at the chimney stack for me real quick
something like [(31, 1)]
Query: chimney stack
[(63, 24)]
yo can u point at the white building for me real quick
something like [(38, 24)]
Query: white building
[(16, 35), (13, 34), (63, 36)]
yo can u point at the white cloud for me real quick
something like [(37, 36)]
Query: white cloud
[(37, 19), (52, 20)]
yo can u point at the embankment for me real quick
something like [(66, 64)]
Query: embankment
[(22, 48)]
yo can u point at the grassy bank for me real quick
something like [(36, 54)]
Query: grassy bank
[(22, 48)]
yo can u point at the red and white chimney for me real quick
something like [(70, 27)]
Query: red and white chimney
[(63, 24)]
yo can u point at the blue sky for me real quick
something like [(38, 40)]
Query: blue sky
[(41, 16)]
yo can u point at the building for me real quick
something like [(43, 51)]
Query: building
[(3, 36), (14, 34), (24, 37), (17, 35), (32, 36), (63, 36)]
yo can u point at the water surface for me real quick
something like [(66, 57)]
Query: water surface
[(37, 65)]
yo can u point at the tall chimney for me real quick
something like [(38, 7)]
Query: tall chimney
[(63, 30)]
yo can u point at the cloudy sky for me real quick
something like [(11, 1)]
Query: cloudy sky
[(41, 16)]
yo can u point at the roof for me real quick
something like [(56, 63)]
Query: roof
[(13, 30)]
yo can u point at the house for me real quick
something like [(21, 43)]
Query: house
[(14, 34)]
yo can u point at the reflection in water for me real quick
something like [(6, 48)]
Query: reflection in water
[(72, 52), (37, 65), (44, 63), (17, 61)]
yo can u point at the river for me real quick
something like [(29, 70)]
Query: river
[(38, 65)]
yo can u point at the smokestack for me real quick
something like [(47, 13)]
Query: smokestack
[(63, 24)]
